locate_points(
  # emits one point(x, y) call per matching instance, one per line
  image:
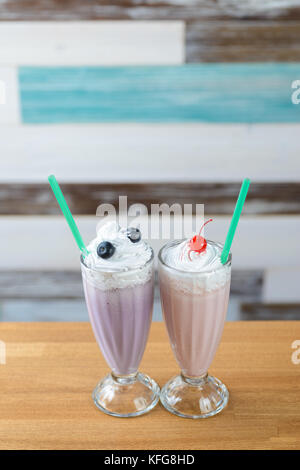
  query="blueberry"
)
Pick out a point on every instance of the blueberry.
point(105, 250)
point(134, 234)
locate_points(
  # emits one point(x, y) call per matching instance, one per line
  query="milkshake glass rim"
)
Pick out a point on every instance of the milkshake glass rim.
point(119, 271)
point(199, 273)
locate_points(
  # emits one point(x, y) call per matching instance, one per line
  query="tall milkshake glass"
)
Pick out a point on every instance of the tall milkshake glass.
point(119, 299)
point(194, 296)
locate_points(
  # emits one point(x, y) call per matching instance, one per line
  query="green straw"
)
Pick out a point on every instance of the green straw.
point(235, 219)
point(67, 213)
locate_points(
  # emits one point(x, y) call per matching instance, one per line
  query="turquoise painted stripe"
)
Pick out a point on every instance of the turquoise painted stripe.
point(216, 93)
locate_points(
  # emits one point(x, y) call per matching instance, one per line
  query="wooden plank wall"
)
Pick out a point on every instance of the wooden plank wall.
point(167, 101)
point(84, 198)
point(188, 152)
point(213, 93)
point(216, 30)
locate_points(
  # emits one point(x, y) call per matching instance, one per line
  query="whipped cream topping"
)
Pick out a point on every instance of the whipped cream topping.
point(127, 255)
point(180, 257)
point(127, 266)
point(198, 273)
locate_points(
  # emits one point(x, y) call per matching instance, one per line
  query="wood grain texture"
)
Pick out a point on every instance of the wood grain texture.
point(146, 9)
point(213, 93)
point(91, 43)
point(219, 198)
point(270, 311)
point(47, 285)
point(217, 30)
point(147, 42)
point(150, 153)
point(70, 310)
point(51, 370)
point(243, 41)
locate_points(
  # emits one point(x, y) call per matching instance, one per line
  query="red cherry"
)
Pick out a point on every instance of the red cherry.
point(198, 243)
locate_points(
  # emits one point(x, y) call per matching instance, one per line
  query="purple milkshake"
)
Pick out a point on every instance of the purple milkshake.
point(121, 320)
point(118, 285)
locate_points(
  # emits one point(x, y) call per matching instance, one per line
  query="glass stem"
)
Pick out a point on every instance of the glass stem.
point(124, 379)
point(195, 381)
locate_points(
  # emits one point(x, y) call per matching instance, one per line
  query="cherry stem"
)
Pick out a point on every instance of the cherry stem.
point(209, 220)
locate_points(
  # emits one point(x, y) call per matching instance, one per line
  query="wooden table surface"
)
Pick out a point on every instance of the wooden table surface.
point(52, 368)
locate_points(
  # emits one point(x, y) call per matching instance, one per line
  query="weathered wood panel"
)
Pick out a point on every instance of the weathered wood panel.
point(259, 9)
point(243, 41)
point(91, 43)
point(75, 309)
point(146, 9)
point(260, 311)
point(224, 30)
point(219, 198)
point(54, 285)
point(40, 285)
point(150, 153)
point(214, 93)
point(58, 296)
point(147, 42)
point(29, 310)
point(105, 10)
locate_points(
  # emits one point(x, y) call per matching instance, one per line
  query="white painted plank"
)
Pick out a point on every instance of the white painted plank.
point(150, 152)
point(46, 243)
point(282, 285)
point(92, 43)
point(2, 92)
point(9, 96)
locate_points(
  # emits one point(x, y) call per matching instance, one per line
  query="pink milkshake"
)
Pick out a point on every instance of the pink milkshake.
point(194, 288)
point(118, 285)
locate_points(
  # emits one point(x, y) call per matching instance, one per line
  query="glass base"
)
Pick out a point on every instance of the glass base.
point(197, 397)
point(126, 396)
